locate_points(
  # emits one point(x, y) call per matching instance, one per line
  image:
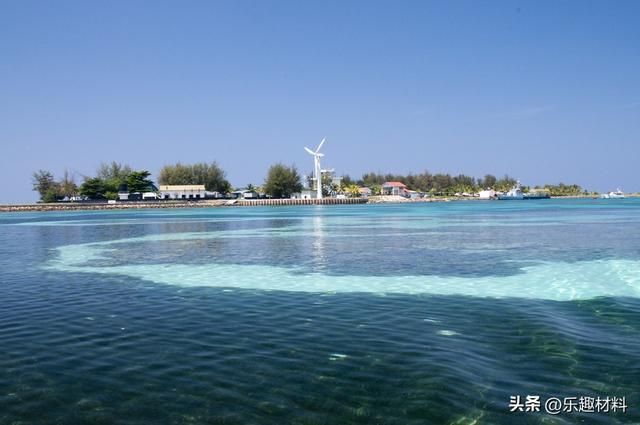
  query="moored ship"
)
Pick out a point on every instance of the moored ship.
point(514, 194)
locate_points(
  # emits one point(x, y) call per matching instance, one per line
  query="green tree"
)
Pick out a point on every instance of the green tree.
point(563, 189)
point(443, 184)
point(462, 183)
point(282, 181)
point(328, 188)
point(352, 190)
point(113, 175)
point(505, 184)
point(51, 195)
point(44, 184)
point(489, 181)
point(423, 182)
point(346, 181)
point(177, 174)
point(114, 171)
point(369, 179)
point(210, 175)
point(138, 181)
point(93, 188)
point(67, 186)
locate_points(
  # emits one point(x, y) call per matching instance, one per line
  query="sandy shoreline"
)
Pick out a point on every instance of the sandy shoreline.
point(40, 207)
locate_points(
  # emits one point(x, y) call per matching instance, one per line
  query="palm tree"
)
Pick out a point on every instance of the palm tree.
point(353, 190)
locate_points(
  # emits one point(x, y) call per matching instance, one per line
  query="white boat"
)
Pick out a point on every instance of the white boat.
point(617, 194)
point(514, 193)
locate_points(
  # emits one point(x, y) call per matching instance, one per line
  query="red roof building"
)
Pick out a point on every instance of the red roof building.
point(394, 188)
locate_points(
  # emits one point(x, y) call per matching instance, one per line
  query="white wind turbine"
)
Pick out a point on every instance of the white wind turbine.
point(317, 171)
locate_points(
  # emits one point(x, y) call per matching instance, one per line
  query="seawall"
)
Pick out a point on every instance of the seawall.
point(323, 201)
point(242, 203)
point(87, 206)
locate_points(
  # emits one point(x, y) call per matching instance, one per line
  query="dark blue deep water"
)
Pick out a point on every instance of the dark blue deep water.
point(364, 314)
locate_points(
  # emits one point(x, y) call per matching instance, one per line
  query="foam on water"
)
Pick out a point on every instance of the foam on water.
point(546, 280)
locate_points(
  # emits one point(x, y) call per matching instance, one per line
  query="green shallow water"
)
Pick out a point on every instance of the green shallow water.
point(432, 313)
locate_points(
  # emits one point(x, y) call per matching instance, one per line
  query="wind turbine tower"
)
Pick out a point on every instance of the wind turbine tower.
point(317, 171)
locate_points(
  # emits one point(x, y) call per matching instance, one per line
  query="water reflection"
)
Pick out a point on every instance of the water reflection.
point(318, 243)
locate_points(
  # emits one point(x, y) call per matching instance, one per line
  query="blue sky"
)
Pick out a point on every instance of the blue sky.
point(543, 91)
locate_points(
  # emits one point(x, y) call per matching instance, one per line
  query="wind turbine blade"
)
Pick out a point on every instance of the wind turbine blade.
point(309, 150)
point(319, 154)
point(320, 145)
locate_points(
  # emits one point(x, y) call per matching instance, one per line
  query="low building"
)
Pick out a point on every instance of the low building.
point(123, 192)
point(148, 194)
point(185, 191)
point(487, 194)
point(244, 194)
point(394, 188)
point(413, 194)
point(364, 191)
point(305, 194)
point(213, 195)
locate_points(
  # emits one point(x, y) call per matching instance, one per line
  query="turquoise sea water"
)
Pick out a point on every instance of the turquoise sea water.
point(389, 314)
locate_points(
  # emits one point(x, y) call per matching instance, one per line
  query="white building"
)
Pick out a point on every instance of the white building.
point(364, 191)
point(487, 194)
point(305, 194)
point(244, 194)
point(185, 191)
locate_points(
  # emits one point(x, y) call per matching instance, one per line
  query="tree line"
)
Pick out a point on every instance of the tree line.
point(435, 184)
point(281, 182)
point(111, 178)
point(107, 182)
point(210, 175)
point(447, 185)
point(50, 189)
